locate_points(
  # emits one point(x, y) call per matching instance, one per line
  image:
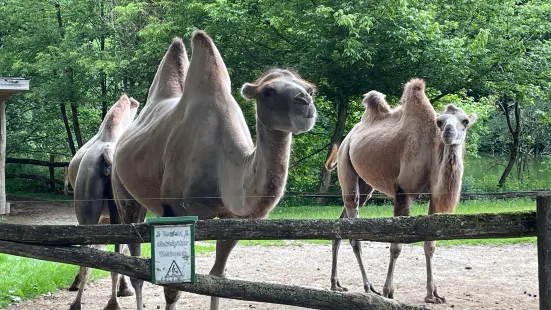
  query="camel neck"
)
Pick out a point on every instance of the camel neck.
point(446, 185)
point(268, 170)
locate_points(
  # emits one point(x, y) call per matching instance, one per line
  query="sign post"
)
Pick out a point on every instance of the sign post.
point(8, 87)
point(172, 249)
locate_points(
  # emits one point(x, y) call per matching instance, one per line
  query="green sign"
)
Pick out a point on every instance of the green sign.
point(172, 249)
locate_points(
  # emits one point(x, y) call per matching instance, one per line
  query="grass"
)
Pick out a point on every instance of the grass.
point(27, 278)
point(24, 278)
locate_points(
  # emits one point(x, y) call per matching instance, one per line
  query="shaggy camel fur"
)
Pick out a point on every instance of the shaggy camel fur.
point(90, 176)
point(190, 151)
point(401, 152)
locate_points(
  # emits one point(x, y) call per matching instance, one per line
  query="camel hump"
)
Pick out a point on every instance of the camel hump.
point(118, 117)
point(414, 92)
point(331, 162)
point(207, 66)
point(375, 102)
point(171, 74)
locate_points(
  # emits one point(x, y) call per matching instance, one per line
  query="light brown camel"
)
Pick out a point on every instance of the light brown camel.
point(90, 177)
point(190, 151)
point(401, 152)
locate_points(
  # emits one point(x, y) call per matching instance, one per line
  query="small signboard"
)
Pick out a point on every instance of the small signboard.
point(172, 249)
point(13, 85)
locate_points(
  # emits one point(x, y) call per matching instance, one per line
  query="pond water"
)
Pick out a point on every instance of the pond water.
point(484, 172)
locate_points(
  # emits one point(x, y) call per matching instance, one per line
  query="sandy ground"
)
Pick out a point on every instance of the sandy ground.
point(470, 277)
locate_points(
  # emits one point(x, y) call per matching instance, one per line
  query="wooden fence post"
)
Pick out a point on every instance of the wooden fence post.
point(66, 180)
point(544, 250)
point(52, 173)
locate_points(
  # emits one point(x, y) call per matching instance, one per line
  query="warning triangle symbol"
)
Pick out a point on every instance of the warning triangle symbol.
point(174, 272)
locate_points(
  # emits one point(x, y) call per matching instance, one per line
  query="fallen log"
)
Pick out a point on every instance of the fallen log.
point(394, 229)
point(207, 285)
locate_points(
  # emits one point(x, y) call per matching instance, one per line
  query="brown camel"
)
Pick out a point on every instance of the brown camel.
point(190, 151)
point(90, 176)
point(401, 152)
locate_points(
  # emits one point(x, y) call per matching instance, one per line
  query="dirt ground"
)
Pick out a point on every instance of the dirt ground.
point(470, 277)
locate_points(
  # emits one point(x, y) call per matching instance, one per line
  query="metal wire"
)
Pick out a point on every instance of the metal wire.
point(288, 195)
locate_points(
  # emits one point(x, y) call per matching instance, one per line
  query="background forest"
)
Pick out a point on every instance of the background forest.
point(490, 57)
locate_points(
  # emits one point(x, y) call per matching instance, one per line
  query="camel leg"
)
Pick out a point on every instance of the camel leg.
point(76, 282)
point(336, 244)
point(171, 297)
point(83, 275)
point(124, 289)
point(364, 193)
point(223, 250)
point(136, 250)
point(88, 212)
point(402, 204)
point(355, 193)
point(430, 248)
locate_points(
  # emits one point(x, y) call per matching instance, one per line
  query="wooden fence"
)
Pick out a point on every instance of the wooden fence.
point(56, 243)
point(50, 180)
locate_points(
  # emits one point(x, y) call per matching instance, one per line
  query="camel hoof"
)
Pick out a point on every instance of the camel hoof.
point(338, 288)
point(126, 292)
point(73, 288)
point(113, 304)
point(388, 293)
point(368, 288)
point(75, 306)
point(435, 300)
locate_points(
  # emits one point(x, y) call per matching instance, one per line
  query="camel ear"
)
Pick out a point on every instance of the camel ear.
point(472, 119)
point(134, 103)
point(248, 91)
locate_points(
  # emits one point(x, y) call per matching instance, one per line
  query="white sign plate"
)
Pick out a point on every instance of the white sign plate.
point(172, 253)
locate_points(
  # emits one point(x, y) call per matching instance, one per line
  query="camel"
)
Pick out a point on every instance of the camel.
point(401, 152)
point(190, 151)
point(90, 176)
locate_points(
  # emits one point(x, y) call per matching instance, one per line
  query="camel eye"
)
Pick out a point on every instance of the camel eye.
point(268, 92)
point(465, 122)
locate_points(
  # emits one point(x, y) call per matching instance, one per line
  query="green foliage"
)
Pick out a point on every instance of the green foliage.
point(476, 55)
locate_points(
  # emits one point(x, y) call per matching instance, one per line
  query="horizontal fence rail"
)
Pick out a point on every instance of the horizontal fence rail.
point(394, 229)
point(206, 284)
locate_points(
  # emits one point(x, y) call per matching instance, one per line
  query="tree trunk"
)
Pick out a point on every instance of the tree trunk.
point(515, 132)
point(67, 128)
point(102, 76)
point(336, 138)
point(52, 173)
point(62, 106)
point(74, 107)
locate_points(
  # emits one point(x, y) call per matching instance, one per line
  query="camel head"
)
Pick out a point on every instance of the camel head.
point(283, 101)
point(453, 123)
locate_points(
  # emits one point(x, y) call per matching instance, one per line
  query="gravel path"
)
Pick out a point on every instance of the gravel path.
point(470, 277)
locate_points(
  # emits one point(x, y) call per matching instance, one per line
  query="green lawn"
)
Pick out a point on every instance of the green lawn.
point(24, 278)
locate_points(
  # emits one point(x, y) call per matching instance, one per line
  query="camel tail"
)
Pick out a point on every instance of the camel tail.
point(331, 162)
